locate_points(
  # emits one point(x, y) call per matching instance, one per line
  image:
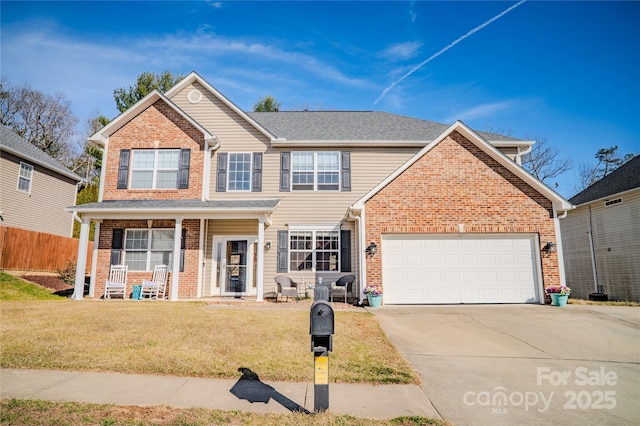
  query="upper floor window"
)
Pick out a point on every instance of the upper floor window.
point(239, 171)
point(154, 168)
point(315, 171)
point(24, 177)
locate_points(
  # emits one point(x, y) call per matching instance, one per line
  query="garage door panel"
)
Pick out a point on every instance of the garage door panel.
point(459, 269)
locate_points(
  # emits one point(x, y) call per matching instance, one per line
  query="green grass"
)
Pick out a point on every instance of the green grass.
point(36, 413)
point(12, 288)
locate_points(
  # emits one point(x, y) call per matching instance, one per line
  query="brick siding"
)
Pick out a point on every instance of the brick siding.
point(188, 280)
point(457, 183)
point(157, 127)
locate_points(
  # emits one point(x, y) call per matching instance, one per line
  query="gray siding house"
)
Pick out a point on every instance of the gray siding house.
point(35, 189)
point(601, 237)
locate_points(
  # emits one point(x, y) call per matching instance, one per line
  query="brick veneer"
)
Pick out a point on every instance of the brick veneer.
point(157, 127)
point(457, 183)
point(188, 279)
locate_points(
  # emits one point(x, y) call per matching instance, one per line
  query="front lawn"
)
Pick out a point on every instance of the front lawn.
point(191, 339)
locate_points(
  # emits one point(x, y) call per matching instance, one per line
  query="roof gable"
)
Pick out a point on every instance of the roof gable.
point(194, 77)
point(102, 135)
point(558, 202)
point(11, 142)
point(624, 178)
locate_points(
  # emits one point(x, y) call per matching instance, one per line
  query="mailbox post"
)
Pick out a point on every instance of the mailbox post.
point(321, 326)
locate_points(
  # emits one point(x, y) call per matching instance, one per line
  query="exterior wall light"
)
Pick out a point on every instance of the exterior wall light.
point(372, 249)
point(267, 245)
point(550, 248)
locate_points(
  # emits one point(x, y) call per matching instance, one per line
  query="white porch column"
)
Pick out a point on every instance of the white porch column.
point(176, 259)
point(81, 264)
point(260, 262)
point(94, 259)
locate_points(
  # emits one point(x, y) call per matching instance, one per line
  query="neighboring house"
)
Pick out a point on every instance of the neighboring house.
point(601, 237)
point(232, 199)
point(35, 189)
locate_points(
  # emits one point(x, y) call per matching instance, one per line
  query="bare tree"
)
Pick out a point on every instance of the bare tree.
point(544, 162)
point(44, 120)
point(608, 161)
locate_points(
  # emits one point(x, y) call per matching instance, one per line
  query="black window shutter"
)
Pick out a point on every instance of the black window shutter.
point(116, 246)
point(345, 250)
point(345, 169)
point(183, 246)
point(183, 172)
point(256, 175)
point(123, 169)
point(221, 185)
point(283, 252)
point(285, 172)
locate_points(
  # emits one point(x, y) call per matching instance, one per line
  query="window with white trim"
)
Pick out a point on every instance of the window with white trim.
point(315, 171)
point(239, 172)
point(155, 168)
point(314, 250)
point(25, 176)
point(146, 248)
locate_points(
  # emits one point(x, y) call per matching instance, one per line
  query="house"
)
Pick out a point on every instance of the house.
point(35, 189)
point(230, 199)
point(601, 237)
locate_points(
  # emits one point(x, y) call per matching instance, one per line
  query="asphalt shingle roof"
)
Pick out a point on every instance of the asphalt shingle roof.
point(353, 126)
point(12, 142)
point(622, 179)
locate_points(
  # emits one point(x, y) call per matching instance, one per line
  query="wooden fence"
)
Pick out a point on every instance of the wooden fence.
point(23, 250)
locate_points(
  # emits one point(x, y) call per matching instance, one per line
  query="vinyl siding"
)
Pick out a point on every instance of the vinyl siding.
point(616, 241)
point(43, 210)
point(234, 133)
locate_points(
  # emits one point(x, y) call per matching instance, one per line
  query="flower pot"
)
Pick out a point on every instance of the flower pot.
point(374, 300)
point(559, 299)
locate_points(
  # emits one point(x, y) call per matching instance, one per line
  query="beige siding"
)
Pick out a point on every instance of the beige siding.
point(616, 241)
point(234, 133)
point(43, 209)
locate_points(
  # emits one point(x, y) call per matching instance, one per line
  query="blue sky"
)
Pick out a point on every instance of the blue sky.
point(565, 71)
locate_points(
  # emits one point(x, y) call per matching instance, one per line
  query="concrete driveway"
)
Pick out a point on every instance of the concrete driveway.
point(523, 364)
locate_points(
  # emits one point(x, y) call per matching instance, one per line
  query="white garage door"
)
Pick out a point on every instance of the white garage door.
point(459, 269)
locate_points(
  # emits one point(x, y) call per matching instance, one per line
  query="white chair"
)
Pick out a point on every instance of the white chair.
point(158, 284)
point(117, 282)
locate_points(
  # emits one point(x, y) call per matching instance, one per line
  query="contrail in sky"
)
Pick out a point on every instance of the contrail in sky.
point(435, 55)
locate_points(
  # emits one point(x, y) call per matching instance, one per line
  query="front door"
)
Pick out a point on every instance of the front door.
point(235, 265)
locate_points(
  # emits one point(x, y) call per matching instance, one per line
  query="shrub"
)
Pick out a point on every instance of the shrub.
point(68, 273)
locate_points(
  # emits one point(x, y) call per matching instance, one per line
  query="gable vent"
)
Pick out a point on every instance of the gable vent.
point(194, 96)
point(612, 202)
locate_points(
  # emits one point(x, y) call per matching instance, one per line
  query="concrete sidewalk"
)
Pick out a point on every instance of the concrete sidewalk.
point(367, 401)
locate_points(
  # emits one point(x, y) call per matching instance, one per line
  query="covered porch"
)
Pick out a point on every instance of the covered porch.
point(188, 221)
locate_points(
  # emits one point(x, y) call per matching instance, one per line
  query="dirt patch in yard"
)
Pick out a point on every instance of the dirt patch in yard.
point(53, 282)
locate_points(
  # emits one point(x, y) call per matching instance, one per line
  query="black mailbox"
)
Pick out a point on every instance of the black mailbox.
point(321, 323)
point(321, 330)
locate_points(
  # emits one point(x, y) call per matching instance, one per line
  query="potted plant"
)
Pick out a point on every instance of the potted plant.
point(374, 295)
point(559, 294)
